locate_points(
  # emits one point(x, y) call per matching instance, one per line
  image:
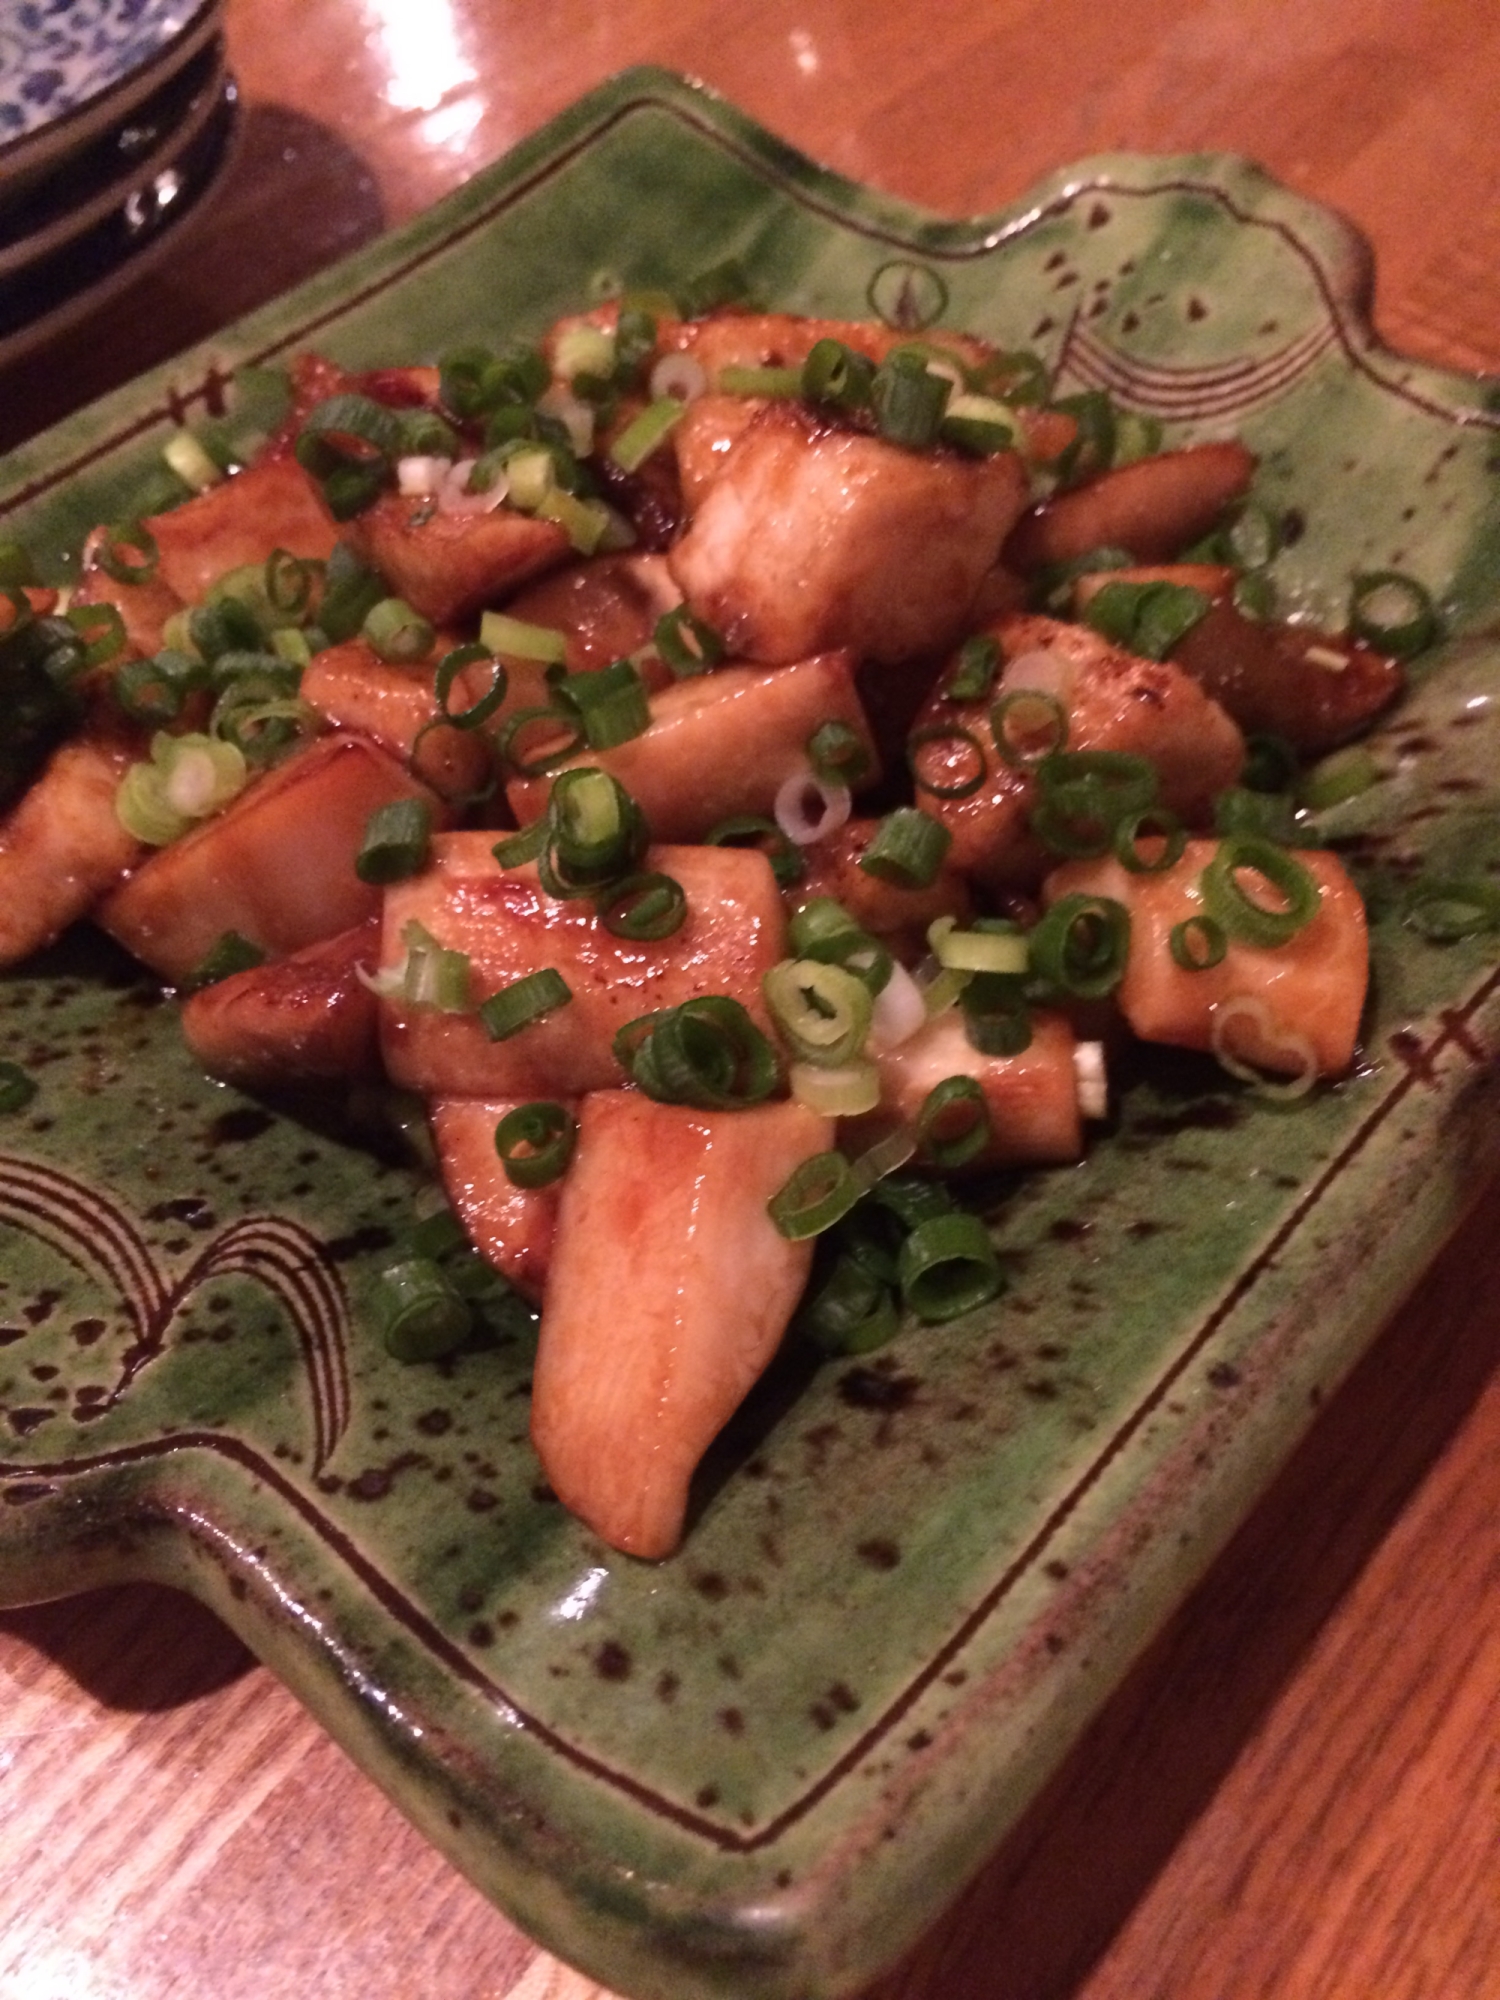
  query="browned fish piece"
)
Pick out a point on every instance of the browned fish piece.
point(816, 537)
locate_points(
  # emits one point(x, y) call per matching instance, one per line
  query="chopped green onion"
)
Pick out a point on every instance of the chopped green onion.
point(102, 630)
point(644, 908)
point(950, 1141)
point(501, 633)
point(585, 522)
point(230, 953)
point(978, 425)
point(1016, 377)
point(535, 1143)
point(192, 464)
point(584, 350)
point(947, 1266)
point(788, 863)
point(644, 433)
point(946, 761)
point(396, 841)
point(1147, 619)
point(524, 846)
point(1254, 596)
point(839, 754)
point(1081, 945)
point(559, 736)
point(420, 1313)
point(735, 381)
point(706, 1052)
point(823, 929)
point(846, 1092)
point(1198, 943)
point(348, 443)
point(17, 1087)
point(909, 402)
point(1392, 612)
point(1150, 842)
point(433, 975)
point(1092, 450)
point(612, 703)
point(396, 634)
point(850, 1312)
point(1028, 725)
point(1137, 436)
point(129, 555)
point(837, 376)
point(456, 662)
point(822, 1011)
point(424, 434)
point(1453, 907)
point(1082, 796)
point(1246, 917)
point(997, 1020)
point(524, 1002)
point(186, 778)
point(816, 1195)
point(982, 949)
point(288, 582)
point(350, 590)
point(1342, 775)
point(974, 673)
point(686, 644)
point(596, 831)
point(908, 849)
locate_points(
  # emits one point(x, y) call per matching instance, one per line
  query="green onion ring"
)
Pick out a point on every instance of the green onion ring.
point(1081, 945)
point(967, 745)
point(535, 1143)
point(1241, 915)
point(644, 908)
point(947, 1266)
point(523, 1002)
point(816, 1195)
point(1198, 943)
point(1156, 823)
point(975, 1131)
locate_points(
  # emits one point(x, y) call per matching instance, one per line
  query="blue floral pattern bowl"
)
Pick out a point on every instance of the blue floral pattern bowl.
point(68, 68)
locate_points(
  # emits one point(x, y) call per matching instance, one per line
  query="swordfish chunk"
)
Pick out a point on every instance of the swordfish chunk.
point(814, 537)
point(668, 1292)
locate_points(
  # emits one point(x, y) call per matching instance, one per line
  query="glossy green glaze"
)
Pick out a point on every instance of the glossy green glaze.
point(760, 1768)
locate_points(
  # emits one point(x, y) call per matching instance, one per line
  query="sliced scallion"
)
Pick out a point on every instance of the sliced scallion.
point(908, 849)
point(1247, 916)
point(948, 1266)
point(816, 1195)
point(535, 1143)
point(705, 1052)
point(1392, 612)
point(396, 842)
point(524, 1002)
point(1081, 945)
point(954, 1125)
point(421, 1314)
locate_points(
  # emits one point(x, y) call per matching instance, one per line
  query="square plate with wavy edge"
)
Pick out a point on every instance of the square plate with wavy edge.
point(760, 1768)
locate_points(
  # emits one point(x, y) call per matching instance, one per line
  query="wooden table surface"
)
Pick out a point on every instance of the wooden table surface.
point(1298, 1791)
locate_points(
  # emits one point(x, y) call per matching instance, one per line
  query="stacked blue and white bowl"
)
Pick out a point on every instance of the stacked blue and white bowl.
point(116, 119)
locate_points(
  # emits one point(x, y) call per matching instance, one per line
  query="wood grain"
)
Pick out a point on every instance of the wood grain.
point(1297, 1793)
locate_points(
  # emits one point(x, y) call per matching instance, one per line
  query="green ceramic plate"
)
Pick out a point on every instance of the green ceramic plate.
point(760, 1768)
